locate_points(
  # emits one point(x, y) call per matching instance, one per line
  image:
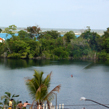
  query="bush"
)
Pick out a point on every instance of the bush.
point(14, 55)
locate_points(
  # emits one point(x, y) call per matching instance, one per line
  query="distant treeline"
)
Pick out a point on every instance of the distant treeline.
point(51, 45)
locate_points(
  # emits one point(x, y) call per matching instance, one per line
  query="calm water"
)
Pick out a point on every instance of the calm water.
point(90, 80)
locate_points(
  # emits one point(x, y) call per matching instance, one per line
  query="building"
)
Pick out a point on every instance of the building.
point(1, 40)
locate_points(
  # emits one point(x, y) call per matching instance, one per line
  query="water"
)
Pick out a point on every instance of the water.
point(90, 80)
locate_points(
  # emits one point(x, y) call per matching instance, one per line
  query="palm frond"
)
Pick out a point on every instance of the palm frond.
point(47, 80)
point(1, 103)
point(8, 93)
point(51, 93)
point(41, 92)
point(15, 95)
point(6, 102)
point(5, 97)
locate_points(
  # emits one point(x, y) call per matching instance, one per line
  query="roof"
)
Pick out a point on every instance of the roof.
point(2, 39)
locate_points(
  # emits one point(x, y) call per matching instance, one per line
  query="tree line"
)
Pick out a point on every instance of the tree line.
point(32, 43)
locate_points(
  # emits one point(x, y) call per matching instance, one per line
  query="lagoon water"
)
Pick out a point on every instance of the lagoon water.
point(90, 80)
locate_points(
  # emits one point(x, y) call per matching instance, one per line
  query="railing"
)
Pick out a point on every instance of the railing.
point(62, 106)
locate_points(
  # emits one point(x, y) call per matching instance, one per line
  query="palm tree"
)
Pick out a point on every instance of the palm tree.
point(7, 97)
point(38, 88)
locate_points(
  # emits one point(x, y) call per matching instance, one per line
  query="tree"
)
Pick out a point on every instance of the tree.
point(78, 47)
point(105, 39)
point(20, 47)
point(38, 88)
point(10, 30)
point(92, 38)
point(23, 34)
point(33, 31)
point(7, 97)
point(106, 33)
point(69, 35)
point(0, 30)
point(49, 35)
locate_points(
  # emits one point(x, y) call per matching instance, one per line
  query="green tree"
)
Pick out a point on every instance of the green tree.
point(78, 47)
point(33, 31)
point(106, 33)
point(0, 30)
point(10, 30)
point(61, 52)
point(38, 88)
point(23, 34)
point(105, 39)
point(93, 39)
point(7, 97)
point(69, 35)
point(20, 47)
point(86, 34)
point(49, 35)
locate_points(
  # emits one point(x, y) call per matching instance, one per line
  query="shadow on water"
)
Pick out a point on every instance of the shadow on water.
point(97, 63)
point(24, 63)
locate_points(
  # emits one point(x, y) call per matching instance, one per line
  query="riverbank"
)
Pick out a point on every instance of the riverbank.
point(84, 58)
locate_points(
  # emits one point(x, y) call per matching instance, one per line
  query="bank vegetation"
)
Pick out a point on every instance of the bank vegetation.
point(34, 44)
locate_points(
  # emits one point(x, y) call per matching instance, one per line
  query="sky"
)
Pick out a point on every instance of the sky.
point(66, 14)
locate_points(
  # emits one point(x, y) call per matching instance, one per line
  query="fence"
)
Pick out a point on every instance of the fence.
point(62, 106)
point(77, 106)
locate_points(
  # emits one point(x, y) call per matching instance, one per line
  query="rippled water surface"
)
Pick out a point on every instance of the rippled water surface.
point(90, 80)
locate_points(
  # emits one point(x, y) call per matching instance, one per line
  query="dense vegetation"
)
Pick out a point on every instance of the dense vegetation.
point(34, 44)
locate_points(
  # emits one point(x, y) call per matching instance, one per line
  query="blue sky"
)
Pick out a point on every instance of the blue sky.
point(69, 14)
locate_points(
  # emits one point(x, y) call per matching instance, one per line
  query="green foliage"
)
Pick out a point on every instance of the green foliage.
point(2, 48)
point(49, 35)
point(14, 55)
point(23, 34)
point(33, 31)
point(30, 56)
point(106, 34)
point(46, 55)
point(93, 39)
point(7, 97)
point(10, 30)
point(78, 48)
point(38, 87)
point(61, 52)
point(69, 35)
point(105, 43)
point(0, 30)
point(51, 45)
point(102, 55)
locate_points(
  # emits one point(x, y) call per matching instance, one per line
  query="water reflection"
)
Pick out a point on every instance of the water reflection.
point(24, 63)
